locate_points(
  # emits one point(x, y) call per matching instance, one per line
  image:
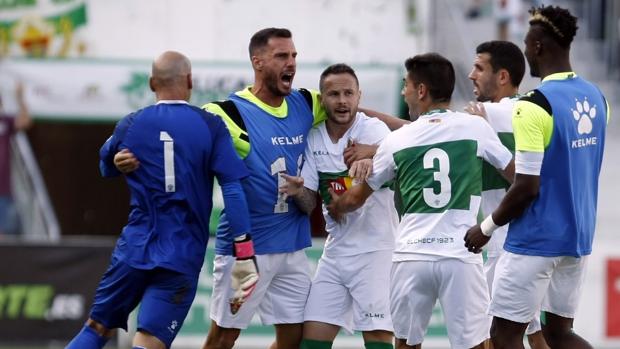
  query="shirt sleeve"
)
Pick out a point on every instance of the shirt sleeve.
point(112, 146)
point(528, 163)
point(493, 151)
point(236, 207)
point(532, 123)
point(383, 166)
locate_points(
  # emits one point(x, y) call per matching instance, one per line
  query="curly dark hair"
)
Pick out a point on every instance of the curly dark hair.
point(559, 23)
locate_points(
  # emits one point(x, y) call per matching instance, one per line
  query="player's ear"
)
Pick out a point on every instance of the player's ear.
point(503, 77)
point(190, 82)
point(538, 46)
point(152, 84)
point(257, 63)
point(422, 91)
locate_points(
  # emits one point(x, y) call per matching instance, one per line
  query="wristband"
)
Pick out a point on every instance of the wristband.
point(244, 249)
point(488, 226)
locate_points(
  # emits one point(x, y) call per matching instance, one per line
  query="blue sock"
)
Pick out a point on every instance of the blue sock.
point(88, 338)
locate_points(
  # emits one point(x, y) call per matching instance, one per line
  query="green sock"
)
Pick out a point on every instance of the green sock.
point(378, 345)
point(312, 344)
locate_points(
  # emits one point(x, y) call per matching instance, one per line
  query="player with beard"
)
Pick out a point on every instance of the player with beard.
point(497, 72)
point(436, 164)
point(269, 122)
point(348, 290)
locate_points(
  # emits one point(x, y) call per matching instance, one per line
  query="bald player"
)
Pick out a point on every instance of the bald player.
point(159, 254)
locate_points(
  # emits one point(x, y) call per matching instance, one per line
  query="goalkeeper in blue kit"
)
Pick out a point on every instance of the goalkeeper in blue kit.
point(158, 257)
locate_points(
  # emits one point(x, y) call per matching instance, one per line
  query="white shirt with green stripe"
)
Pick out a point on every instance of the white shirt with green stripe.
point(494, 186)
point(372, 226)
point(436, 163)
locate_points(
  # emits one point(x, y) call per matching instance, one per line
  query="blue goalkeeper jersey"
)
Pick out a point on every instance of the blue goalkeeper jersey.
point(180, 148)
point(271, 141)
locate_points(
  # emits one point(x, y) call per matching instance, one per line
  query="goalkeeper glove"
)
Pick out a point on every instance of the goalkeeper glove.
point(244, 274)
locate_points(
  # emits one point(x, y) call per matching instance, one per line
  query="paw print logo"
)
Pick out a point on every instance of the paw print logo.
point(583, 114)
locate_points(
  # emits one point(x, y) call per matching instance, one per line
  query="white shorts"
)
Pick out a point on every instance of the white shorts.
point(462, 293)
point(489, 271)
point(352, 292)
point(522, 283)
point(280, 294)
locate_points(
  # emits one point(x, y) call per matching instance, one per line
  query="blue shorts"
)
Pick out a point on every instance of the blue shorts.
point(165, 297)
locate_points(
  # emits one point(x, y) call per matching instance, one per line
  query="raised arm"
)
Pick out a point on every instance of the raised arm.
point(392, 122)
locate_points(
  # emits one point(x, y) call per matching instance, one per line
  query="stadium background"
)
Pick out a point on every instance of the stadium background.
point(85, 64)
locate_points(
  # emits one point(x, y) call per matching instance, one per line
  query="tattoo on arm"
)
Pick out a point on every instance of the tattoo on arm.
point(306, 200)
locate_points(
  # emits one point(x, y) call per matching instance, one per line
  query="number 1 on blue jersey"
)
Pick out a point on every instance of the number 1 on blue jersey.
point(168, 161)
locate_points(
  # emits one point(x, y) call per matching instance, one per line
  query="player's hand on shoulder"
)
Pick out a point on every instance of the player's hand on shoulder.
point(125, 161)
point(244, 274)
point(361, 169)
point(292, 186)
point(476, 108)
point(475, 240)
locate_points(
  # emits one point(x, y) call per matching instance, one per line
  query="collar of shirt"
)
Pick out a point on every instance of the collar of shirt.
point(172, 101)
point(560, 76)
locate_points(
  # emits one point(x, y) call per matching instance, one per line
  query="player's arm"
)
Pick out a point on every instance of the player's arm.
point(304, 198)
point(392, 122)
point(351, 200)
point(358, 151)
point(532, 125)
point(383, 171)
point(244, 273)
point(229, 170)
point(111, 147)
point(509, 172)
point(303, 188)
